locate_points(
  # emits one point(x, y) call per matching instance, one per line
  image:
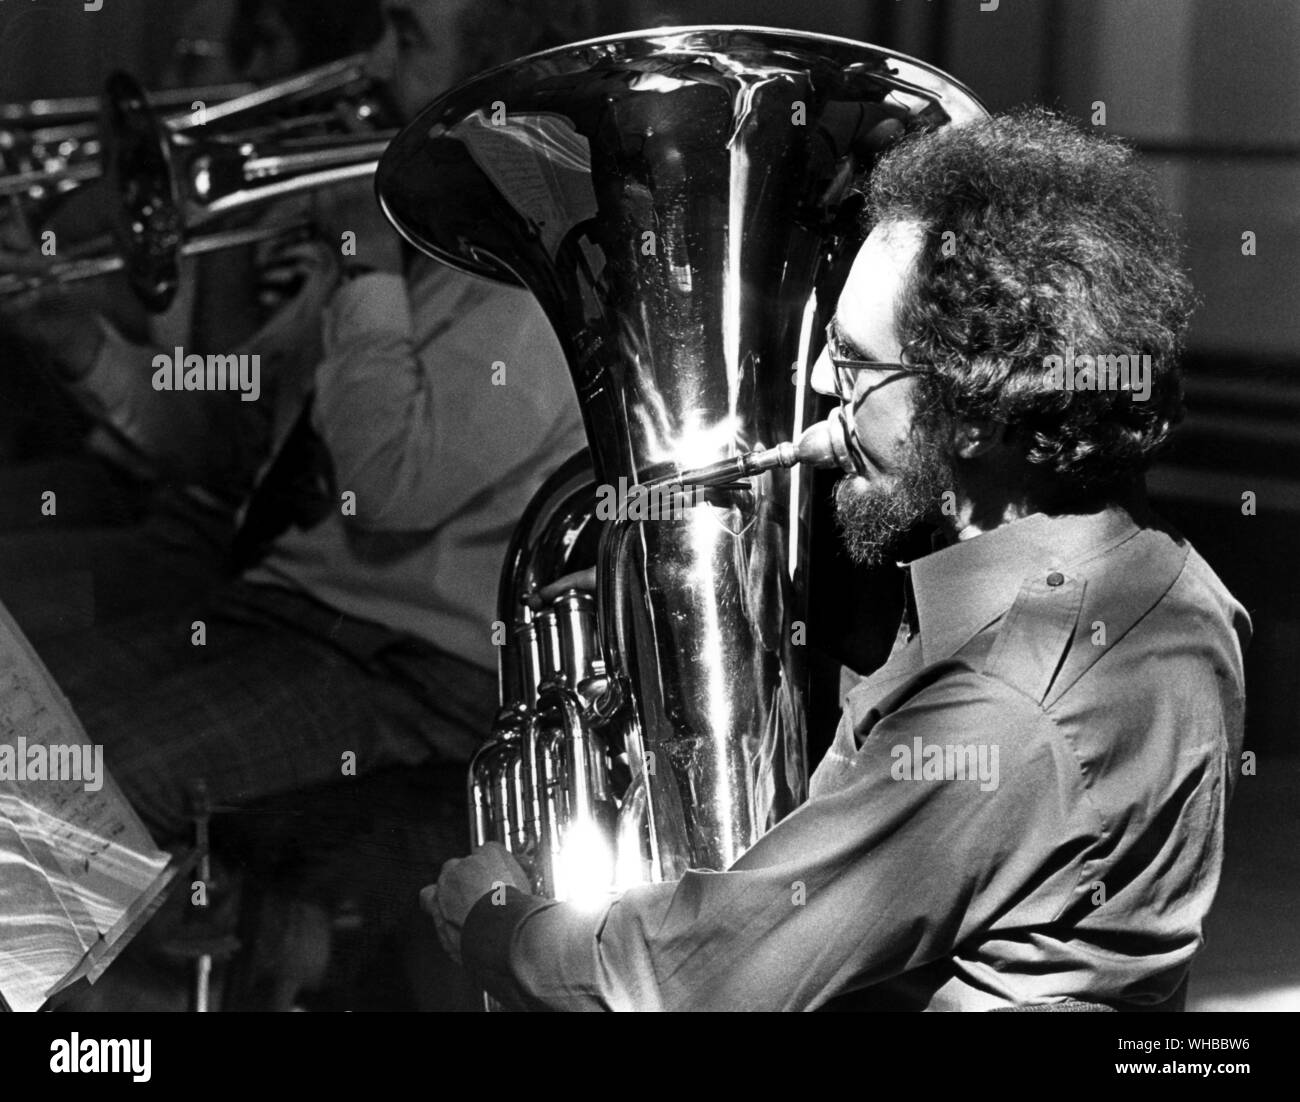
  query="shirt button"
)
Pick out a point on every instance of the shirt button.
point(1055, 578)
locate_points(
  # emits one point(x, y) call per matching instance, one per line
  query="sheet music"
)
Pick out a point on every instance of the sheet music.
point(39, 943)
point(540, 164)
point(73, 859)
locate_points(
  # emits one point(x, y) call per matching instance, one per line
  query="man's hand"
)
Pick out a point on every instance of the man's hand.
point(350, 223)
point(584, 580)
point(463, 883)
point(288, 270)
point(295, 282)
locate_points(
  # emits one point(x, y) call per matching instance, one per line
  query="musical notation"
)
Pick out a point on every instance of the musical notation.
point(75, 859)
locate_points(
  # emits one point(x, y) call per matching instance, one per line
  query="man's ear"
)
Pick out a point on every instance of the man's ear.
point(971, 439)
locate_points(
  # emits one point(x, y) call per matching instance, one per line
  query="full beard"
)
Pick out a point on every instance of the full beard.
point(873, 521)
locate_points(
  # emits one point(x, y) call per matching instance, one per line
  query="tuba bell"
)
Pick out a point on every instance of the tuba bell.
point(681, 202)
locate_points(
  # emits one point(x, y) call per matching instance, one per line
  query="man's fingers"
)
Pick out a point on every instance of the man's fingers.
point(448, 934)
point(301, 255)
point(584, 580)
point(281, 275)
point(448, 938)
point(504, 867)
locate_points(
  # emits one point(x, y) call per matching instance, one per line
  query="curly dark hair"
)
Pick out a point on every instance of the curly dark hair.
point(1040, 238)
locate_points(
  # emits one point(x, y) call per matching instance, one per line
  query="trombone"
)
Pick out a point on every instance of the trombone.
point(49, 147)
point(176, 175)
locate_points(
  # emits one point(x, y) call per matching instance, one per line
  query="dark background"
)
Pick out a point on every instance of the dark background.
point(1207, 89)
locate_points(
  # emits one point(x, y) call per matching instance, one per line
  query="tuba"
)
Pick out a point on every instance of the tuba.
point(681, 202)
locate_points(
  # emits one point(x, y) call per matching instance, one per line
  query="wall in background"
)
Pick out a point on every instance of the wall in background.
point(57, 48)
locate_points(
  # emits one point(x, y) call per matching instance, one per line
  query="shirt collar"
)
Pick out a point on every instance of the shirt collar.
point(961, 589)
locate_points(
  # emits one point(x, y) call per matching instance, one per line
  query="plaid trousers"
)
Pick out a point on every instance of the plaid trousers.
point(279, 693)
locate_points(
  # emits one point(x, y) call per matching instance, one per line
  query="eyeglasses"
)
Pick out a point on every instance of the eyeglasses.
point(845, 365)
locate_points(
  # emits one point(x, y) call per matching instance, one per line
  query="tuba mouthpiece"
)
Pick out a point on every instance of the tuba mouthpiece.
point(813, 447)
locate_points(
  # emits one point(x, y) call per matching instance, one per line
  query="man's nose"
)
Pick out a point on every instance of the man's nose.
point(823, 376)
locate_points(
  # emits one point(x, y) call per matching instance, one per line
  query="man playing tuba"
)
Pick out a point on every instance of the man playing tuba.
point(1025, 804)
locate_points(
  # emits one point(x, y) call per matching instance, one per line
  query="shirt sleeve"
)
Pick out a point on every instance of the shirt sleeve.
point(886, 870)
point(419, 432)
point(164, 427)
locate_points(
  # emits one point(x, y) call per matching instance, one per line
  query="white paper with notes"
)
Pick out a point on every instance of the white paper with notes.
point(77, 865)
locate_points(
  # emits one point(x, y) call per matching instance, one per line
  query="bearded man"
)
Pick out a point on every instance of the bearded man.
point(1024, 806)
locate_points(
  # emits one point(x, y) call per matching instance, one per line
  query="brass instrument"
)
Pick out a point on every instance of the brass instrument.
point(681, 202)
point(50, 147)
point(177, 175)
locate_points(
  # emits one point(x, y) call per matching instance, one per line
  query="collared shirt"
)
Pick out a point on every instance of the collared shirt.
point(1024, 804)
point(444, 402)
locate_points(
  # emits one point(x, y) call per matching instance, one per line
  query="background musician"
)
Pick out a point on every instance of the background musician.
point(148, 501)
point(362, 638)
